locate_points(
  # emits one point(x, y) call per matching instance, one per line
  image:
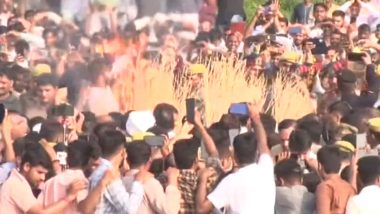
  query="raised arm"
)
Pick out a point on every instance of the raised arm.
point(88, 205)
point(251, 26)
point(261, 136)
point(207, 140)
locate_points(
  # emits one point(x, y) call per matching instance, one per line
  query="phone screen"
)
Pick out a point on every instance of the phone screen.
point(2, 112)
point(355, 57)
point(155, 141)
point(239, 108)
point(190, 109)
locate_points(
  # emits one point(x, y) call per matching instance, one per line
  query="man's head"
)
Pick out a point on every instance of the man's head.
point(288, 173)
point(331, 55)
point(35, 164)
point(377, 33)
point(335, 39)
point(185, 153)
point(300, 143)
point(284, 24)
point(320, 12)
point(364, 31)
point(313, 128)
point(338, 110)
point(20, 126)
point(52, 131)
point(233, 42)
point(347, 81)
point(22, 48)
point(338, 18)
point(138, 154)
point(166, 116)
point(6, 82)
point(22, 78)
point(99, 72)
point(369, 170)
point(79, 154)
point(47, 88)
point(329, 158)
point(355, 9)
point(50, 36)
point(245, 148)
point(285, 128)
point(112, 144)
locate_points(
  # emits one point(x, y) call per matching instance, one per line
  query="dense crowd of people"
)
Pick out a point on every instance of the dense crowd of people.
point(71, 141)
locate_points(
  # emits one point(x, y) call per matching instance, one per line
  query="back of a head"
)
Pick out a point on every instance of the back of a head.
point(219, 135)
point(185, 153)
point(313, 128)
point(341, 107)
point(100, 128)
point(119, 119)
point(110, 142)
point(165, 116)
point(51, 130)
point(357, 119)
point(364, 28)
point(139, 153)
point(289, 170)
point(330, 159)
point(36, 155)
point(287, 123)
point(224, 150)
point(245, 148)
point(79, 154)
point(299, 141)
point(369, 170)
point(47, 79)
point(339, 13)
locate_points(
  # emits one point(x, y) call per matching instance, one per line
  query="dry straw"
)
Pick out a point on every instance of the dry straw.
point(225, 83)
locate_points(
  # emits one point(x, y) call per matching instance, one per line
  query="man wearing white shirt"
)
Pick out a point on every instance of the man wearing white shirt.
point(366, 201)
point(251, 189)
point(367, 13)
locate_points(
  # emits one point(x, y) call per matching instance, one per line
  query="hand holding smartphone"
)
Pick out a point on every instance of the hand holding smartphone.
point(191, 105)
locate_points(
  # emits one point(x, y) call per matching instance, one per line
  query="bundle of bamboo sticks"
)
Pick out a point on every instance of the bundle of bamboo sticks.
point(224, 83)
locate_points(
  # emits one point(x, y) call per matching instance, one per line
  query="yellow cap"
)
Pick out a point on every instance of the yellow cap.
point(197, 69)
point(345, 146)
point(41, 69)
point(374, 124)
point(290, 56)
point(141, 135)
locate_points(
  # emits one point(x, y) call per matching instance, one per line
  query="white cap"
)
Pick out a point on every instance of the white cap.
point(139, 121)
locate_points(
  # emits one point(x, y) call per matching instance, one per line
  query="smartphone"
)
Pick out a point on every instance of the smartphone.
point(295, 30)
point(355, 57)
point(155, 141)
point(63, 110)
point(190, 109)
point(2, 112)
point(239, 109)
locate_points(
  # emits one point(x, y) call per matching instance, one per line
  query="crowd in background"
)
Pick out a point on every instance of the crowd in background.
point(71, 143)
